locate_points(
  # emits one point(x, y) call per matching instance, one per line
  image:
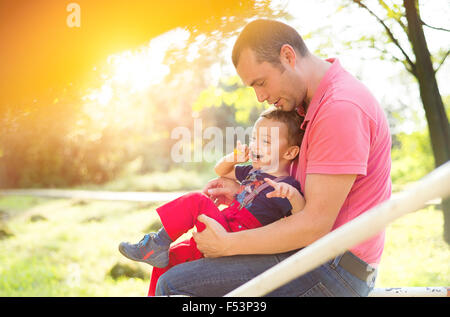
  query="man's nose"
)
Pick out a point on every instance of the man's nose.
point(261, 95)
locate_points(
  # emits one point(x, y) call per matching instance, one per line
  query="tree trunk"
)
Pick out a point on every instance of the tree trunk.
point(438, 124)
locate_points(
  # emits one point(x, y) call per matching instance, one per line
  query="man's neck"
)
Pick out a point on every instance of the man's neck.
point(317, 69)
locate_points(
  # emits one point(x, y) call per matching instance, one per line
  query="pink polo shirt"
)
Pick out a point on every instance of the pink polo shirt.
point(346, 132)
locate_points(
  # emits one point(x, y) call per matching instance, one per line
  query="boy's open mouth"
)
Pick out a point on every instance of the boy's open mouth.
point(256, 156)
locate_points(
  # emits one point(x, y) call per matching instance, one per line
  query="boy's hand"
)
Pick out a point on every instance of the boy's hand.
point(226, 166)
point(285, 190)
point(241, 153)
point(281, 189)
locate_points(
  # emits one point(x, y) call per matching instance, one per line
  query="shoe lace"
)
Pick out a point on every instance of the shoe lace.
point(144, 240)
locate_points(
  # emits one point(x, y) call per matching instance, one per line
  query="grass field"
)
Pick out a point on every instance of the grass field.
point(63, 247)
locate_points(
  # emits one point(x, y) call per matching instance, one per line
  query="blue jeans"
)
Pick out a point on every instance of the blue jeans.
point(218, 276)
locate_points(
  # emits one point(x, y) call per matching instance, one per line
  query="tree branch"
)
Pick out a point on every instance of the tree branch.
point(388, 31)
point(433, 27)
point(395, 59)
point(442, 62)
point(399, 21)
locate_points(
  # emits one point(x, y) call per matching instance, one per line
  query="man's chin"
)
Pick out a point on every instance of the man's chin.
point(286, 107)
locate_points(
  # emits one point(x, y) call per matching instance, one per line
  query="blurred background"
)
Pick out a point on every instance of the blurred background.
point(90, 94)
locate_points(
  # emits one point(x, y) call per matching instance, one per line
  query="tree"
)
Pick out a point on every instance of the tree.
point(418, 61)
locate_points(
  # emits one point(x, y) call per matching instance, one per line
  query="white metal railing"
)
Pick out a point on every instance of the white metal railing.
point(411, 292)
point(432, 186)
point(94, 195)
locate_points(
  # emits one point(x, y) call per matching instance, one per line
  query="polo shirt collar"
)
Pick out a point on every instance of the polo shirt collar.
point(320, 92)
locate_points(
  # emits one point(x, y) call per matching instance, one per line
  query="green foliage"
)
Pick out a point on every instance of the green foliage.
point(412, 157)
point(446, 101)
point(50, 144)
point(57, 144)
point(231, 93)
point(393, 10)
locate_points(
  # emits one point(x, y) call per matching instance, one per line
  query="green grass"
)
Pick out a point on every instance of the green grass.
point(415, 252)
point(66, 255)
point(71, 252)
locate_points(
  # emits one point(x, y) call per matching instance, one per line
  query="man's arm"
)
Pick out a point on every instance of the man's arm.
point(324, 194)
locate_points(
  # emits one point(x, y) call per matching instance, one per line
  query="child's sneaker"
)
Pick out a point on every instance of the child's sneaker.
point(146, 250)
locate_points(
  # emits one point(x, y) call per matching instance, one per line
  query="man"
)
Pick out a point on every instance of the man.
point(343, 168)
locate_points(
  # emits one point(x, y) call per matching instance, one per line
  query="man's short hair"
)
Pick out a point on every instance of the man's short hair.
point(292, 120)
point(265, 38)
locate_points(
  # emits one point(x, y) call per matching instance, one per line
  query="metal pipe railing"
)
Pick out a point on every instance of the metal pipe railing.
point(411, 292)
point(435, 184)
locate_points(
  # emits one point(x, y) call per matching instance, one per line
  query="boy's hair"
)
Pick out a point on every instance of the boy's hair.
point(265, 38)
point(292, 120)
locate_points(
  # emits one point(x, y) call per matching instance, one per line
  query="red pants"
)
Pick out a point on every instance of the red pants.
point(180, 215)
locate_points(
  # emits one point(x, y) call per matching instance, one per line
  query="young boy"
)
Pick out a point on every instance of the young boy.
point(267, 194)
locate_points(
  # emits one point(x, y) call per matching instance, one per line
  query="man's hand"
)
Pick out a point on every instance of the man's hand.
point(221, 190)
point(212, 241)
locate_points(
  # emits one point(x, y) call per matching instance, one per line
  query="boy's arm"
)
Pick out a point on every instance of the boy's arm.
point(296, 199)
point(284, 190)
point(225, 167)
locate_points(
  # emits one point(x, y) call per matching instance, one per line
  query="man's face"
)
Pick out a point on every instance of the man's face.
point(284, 89)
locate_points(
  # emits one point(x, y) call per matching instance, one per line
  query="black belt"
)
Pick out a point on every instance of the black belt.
point(355, 266)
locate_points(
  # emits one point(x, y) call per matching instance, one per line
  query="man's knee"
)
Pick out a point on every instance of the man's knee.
point(171, 282)
point(162, 288)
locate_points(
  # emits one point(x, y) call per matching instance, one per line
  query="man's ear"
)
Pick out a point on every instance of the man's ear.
point(291, 152)
point(288, 55)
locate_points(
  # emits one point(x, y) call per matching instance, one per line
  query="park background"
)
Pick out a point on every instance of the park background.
point(93, 108)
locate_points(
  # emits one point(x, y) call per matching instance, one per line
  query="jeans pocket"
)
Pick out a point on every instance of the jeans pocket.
point(353, 285)
point(318, 290)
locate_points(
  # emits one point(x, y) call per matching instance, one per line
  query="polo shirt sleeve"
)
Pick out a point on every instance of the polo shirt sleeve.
point(339, 140)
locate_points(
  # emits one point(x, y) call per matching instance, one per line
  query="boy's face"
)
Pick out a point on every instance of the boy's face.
point(269, 144)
